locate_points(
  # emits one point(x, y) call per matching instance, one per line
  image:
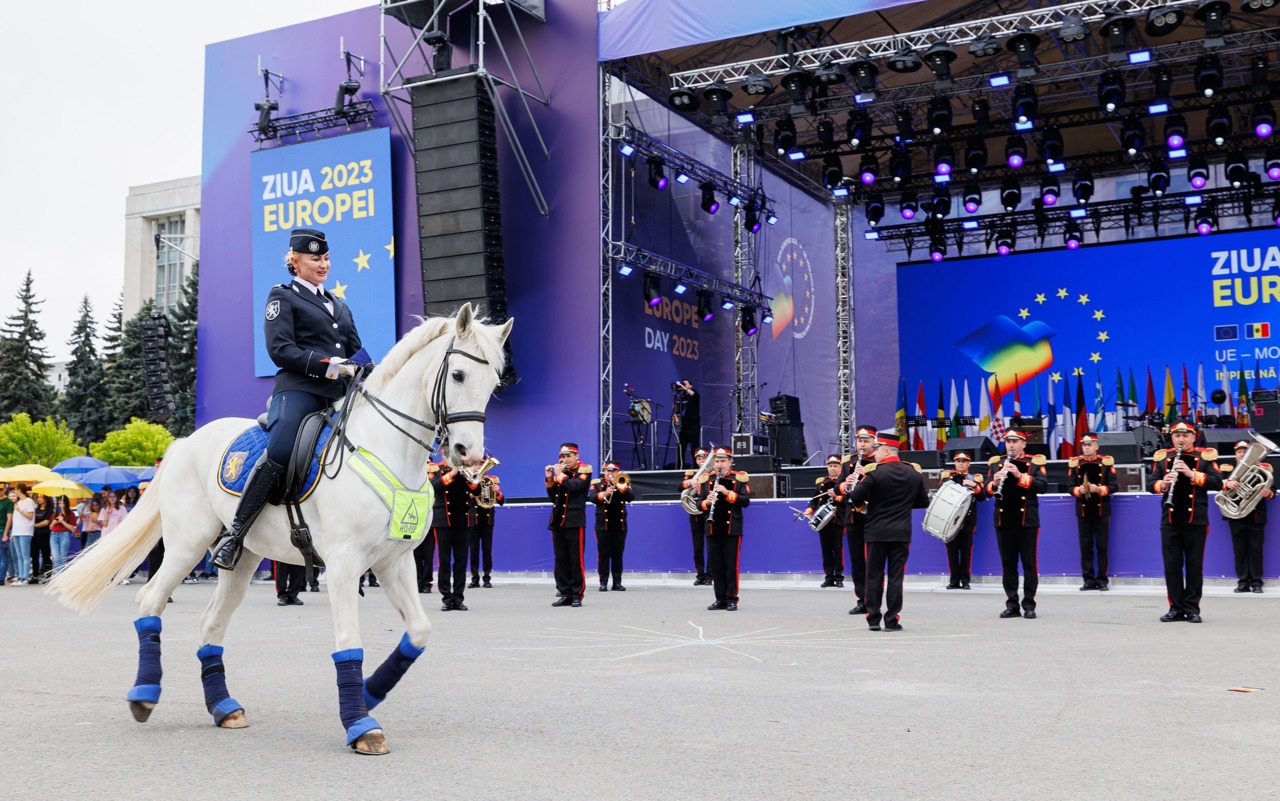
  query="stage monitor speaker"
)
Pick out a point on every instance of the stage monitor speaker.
point(1123, 446)
point(786, 408)
point(1269, 420)
point(928, 460)
point(1038, 449)
point(753, 465)
point(1223, 440)
point(980, 449)
point(790, 442)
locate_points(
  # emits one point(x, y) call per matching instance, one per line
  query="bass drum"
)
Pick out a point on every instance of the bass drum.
point(640, 411)
point(946, 511)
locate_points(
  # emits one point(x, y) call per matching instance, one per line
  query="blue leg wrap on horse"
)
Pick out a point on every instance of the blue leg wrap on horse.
point(146, 687)
point(384, 679)
point(213, 676)
point(351, 706)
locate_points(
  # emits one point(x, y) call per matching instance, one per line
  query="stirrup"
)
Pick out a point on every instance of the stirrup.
point(227, 551)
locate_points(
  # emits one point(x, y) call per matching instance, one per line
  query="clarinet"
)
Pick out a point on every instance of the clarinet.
point(1168, 491)
point(1000, 489)
point(711, 507)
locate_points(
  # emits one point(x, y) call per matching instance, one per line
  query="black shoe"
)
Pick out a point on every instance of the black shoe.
point(604, 586)
point(1104, 588)
point(1241, 588)
point(447, 606)
point(488, 585)
point(1255, 589)
point(563, 600)
point(953, 586)
point(839, 582)
point(717, 605)
point(1194, 617)
point(474, 584)
point(315, 587)
point(873, 626)
point(575, 602)
point(373, 581)
point(428, 590)
point(459, 606)
point(1011, 613)
point(859, 609)
point(295, 602)
point(1171, 616)
point(1030, 614)
point(732, 606)
point(828, 582)
point(1088, 585)
point(282, 602)
point(620, 588)
point(892, 625)
point(965, 586)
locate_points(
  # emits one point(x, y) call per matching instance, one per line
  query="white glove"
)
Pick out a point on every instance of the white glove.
point(340, 368)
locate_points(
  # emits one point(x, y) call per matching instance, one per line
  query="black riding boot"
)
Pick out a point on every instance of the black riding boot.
point(226, 552)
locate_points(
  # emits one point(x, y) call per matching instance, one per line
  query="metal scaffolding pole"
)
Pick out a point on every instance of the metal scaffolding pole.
point(746, 405)
point(611, 129)
point(844, 329)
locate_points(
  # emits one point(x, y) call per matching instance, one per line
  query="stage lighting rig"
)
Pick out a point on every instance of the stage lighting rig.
point(1206, 220)
point(1217, 124)
point(652, 289)
point(682, 99)
point(826, 130)
point(1072, 235)
point(784, 136)
point(757, 85)
point(1082, 185)
point(874, 209)
point(943, 156)
point(1133, 137)
point(937, 247)
point(940, 206)
point(832, 171)
point(717, 96)
point(1208, 74)
point(709, 203)
point(1256, 6)
point(1051, 145)
point(868, 169)
point(1025, 102)
point(939, 115)
point(975, 154)
point(858, 128)
point(657, 173)
point(985, 46)
point(1005, 240)
point(1115, 29)
point(1073, 28)
point(905, 126)
point(981, 111)
point(706, 311)
point(908, 205)
point(1111, 91)
point(1175, 131)
point(939, 58)
point(1198, 172)
point(1023, 46)
point(1163, 21)
point(751, 216)
point(797, 82)
point(747, 321)
point(1158, 176)
point(1237, 168)
point(1015, 151)
point(1260, 73)
point(1161, 86)
point(900, 164)
point(864, 73)
point(346, 90)
point(1212, 13)
point(1010, 193)
point(827, 74)
point(905, 61)
point(972, 197)
point(1263, 119)
point(1050, 189)
point(1271, 163)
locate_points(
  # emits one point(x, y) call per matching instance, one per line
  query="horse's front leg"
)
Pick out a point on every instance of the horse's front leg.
point(399, 582)
point(226, 711)
point(364, 734)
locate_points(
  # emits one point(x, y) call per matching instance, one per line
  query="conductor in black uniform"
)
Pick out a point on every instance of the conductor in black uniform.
point(960, 547)
point(1184, 475)
point(890, 488)
point(310, 335)
point(453, 538)
point(567, 482)
point(1014, 483)
point(1092, 478)
point(611, 493)
point(1248, 532)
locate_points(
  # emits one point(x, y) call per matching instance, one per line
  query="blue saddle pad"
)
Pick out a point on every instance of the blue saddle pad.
point(245, 450)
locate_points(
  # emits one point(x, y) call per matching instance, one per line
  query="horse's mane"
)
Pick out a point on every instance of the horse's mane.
point(423, 334)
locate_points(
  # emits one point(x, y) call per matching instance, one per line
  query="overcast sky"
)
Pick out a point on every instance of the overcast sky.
point(98, 97)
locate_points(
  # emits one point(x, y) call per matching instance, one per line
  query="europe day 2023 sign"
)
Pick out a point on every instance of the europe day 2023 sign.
point(1049, 315)
point(341, 186)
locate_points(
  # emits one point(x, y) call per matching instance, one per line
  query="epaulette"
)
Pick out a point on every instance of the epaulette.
point(1039, 460)
point(995, 460)
point(1073, 462)
point(432, 469)
point(1227, 468)
point(848, 457)
point(1159, 455)
point(820, 481)
point(584, 468)
point(1108, 460)
point(595, 481)
point(946, 474)
point(868, 468)
point(704, 478)
point(1208, 454)
point(688, 474)
point(916, 466)
point(741, 476)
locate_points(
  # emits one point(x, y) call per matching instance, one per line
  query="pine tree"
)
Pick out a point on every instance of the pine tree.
point(81, 403)
point(24, 362)
point(182, 356)
point(124, 388)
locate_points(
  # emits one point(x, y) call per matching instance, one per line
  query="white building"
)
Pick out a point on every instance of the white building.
point(162, 239)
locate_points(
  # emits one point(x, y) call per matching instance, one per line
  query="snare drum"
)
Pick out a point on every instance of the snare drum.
point(823, 515)
point(640, 411)
point(946, 511)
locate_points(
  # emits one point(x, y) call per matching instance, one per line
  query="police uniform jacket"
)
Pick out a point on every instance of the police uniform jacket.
point(841, 500)
point(686, 484)
point(1259, 514)
point(568, 494)
point(1101, 473)
point(726, 517)
point(1017, 504)
point(483, 518)
point(300, 332)
point(455, 493)
point(611, 515)
point(853, 517)
point(979, 494)
point(891, 488)
point(1190, 498)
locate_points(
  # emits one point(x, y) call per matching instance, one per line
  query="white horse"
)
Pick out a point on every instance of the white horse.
point(437, 380)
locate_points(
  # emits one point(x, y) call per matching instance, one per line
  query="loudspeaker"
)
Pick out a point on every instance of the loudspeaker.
point(786, 408)
point(1269, 420)
point(980, 449)
point(750, 445)
point(790, 442)
point(768, 485)
point(928, 460)
point(754, 465)
point(1123, 446)
point(1224, 439)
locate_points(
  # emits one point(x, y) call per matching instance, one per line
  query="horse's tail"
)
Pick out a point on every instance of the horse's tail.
point(84, 583)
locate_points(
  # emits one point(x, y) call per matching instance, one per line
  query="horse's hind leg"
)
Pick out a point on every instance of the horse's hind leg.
point(232, 584)
point(400, 583)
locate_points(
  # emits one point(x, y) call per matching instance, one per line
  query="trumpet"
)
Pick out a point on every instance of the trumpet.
point(487, 497)
point(622, 482)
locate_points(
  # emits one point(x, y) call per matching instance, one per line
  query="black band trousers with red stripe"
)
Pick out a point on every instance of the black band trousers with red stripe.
point(567, 544)
point(1019, 543)
point(722, 562)
point(879, 554)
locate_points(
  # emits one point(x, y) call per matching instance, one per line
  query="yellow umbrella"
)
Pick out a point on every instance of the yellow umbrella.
point(62, 486)
point(27, 474)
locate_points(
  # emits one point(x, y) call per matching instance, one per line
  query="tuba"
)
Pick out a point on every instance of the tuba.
point(1241, 501)
point(487, 498)
point(689, 495)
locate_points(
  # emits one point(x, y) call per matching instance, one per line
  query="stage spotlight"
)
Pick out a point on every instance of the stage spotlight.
point(939, 58)
point(874, 209)
point(1163, 21)
point(904, 61)
point(985, 46)
point(908, 205)
point(770, 217)
point(717, 96)
point(706, 311)
point(1082, 185)
point(1025, 102)
point(864, 73)
point(941, 204)
point(1205, 221)
point(1051, 145)
point(679, 287)
point(858, 129)
point(1133, 137)
point(625, 269)
point(1264, 119)
point(972, 197)
point(652, 288)
point(266, 128)
point(726, 303)
point(1073, 28)
point(1198, 172)
point(1271, 163)
point(937, 247)
point(1015, 151)
point(975, 154)
point(757, 85)
point(1050, 189)
point(1175, 131)
point(1005, 241)
point(784, 136)
point(826, 130)
point(709, 203)
point(906, 128)
point(747, 321)
point(1115, 28)
point(1260, 72)
point(1111, 91)
point(827, 75)
point(981, 111)
point(346, 89)
point(1158, 176)
point(1010, 193)
point(657, 173)
point(1162, 84)
point(1217, 124)
point(832, 171)
point(1208, 74)
point(796, 82)
point(942, 158)
point(1023, 45)
point(682, 100)
point(1237, 168)
point(1072, 235)
point(627, 149)
point(1256, 6)
point(939, 115)
point(1212, 13)
point(868, 169)
point(900, 164)
point(767, 318)
point(751, 217)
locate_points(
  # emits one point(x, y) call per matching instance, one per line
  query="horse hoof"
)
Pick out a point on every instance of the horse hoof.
point(236, 720)
point(372, 743)
point(141, 710)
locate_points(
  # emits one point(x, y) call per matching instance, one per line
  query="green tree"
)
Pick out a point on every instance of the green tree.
point(182, 356)
point(81, 403)
point(45, 442)
point(24, 361)
point(124, 385)
point(138, 443)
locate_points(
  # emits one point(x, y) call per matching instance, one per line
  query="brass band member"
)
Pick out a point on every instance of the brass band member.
point(856, 522)
point(567, 482)
point(830, 537)
point(960, 548)
point(698, 525)
point(1014, 481)
point(482, 534)
point(725, 494)
point(1184, 475)
point(1247, 533)
point(424, 554)
point(611, 494)
point(453, 537)
point(1092, 478)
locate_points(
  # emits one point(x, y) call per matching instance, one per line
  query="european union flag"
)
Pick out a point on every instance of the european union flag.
point(1226, 333)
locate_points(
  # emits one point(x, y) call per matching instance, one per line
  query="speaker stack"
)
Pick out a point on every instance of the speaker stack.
point(788, 429)
point(155, 366)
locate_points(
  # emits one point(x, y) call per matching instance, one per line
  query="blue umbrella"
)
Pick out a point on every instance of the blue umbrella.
point(113, 476)
point(77, 466)
point(148, 474)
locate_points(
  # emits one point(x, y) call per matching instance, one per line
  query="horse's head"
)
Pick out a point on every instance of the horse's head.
point(472, 367)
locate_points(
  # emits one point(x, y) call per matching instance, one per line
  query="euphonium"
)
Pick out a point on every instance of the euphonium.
point(689, 495)
point(1241, 501)
point(487, 497)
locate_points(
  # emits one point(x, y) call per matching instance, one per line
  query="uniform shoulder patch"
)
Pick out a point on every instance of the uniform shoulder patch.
point(848, 457)
point(595, 481)
point(916, 466)
point(1208, 454)
point(1039, 460)
point(867, 469)
point(689, 473)
point(273, 310)
point(584, 468)
point(1159, 455)
point(1227, 468)
point(432, 469)
point(741, 476)
point(995, 460)
point(946, 474)
point(704, 478)
point(820, 481)
point(1109, 460)
point(1073, 462)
